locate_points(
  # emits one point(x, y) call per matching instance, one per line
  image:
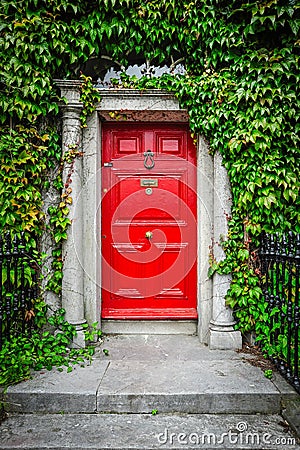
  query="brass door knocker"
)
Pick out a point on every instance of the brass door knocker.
point(149, 159)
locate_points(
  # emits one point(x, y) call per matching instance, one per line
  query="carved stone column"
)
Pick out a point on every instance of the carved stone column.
point(222, 333)
point(72, 284)
point(205, 238)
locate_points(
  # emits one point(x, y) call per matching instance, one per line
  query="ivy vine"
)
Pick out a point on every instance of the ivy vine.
point(241, 88)
point(42, 348)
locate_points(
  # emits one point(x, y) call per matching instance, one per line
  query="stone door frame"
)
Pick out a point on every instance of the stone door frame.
point(81, 289)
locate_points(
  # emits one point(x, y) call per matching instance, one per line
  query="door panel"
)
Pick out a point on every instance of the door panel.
point(149, 245)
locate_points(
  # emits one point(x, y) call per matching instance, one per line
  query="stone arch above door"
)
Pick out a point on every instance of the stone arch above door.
point(81, 282)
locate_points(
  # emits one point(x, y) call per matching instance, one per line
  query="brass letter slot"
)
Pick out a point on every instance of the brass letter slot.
point(153, 182)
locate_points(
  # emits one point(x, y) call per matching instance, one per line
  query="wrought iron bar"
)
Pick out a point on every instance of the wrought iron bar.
point(8, 255)
point(15, 305)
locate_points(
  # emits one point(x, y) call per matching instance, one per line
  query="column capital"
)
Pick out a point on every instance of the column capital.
point(71, 112)
point(70, 90)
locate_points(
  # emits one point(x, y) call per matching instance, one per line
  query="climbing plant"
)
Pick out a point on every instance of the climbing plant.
point(27, 352)
point(241, 88)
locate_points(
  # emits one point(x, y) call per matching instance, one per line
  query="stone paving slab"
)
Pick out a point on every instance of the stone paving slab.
point(132, 432)
point(56, 391)
point(149, 347)
point(212, 386)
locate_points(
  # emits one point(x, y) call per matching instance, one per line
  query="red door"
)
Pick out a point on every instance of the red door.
point(149, 244)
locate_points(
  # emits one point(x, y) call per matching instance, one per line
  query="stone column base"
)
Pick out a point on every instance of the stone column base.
point(79, 339)
point(224, 338)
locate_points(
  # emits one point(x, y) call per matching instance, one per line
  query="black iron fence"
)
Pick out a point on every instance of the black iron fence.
point(280, 265)
point(18, 276)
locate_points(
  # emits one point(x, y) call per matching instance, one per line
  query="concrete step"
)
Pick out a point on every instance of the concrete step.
point(189, 387)
point(145, 431)
point(140, 375)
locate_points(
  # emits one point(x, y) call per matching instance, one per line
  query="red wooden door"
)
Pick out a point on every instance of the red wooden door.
point(149, 244)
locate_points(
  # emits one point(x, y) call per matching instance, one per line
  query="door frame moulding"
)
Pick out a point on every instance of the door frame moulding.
point(81, 296)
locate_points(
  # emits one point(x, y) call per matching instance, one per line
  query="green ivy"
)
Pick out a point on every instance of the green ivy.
point(23, 160)
point(89, 96)
point(41, 348)
point(241, 89)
